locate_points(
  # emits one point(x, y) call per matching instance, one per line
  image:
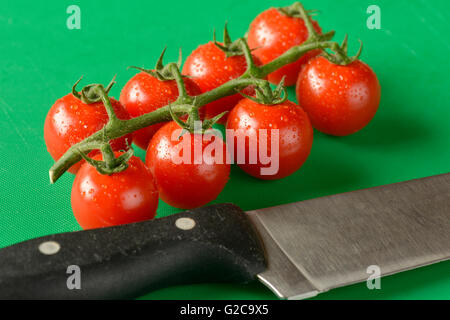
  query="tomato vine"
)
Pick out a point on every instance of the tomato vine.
point(185, 104)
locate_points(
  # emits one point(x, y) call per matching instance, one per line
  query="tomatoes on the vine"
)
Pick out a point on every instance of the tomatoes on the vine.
point(209, 67)
point(287, 148)
point(190, 171)
point(107, 200)
point(271, 34)
point(70, 121)
point(339, 99)
point(144, 93)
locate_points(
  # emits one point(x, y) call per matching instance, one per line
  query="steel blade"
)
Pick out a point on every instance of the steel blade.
point(324, 243)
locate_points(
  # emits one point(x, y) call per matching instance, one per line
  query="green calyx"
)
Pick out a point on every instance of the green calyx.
point(90, 93)
point(296, 10)
point(193, 123)
point(161, 72)
point(231, 48)
point(265, 95)
point(340, 55)
point(110, 164)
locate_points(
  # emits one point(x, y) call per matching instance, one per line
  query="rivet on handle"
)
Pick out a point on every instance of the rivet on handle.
point(49, 247)
point(185, 223)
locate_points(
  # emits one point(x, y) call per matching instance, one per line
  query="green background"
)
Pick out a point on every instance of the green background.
point(408, 138)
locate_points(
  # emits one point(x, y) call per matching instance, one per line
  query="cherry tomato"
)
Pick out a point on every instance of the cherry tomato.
point(70, 121)
point(195, 181)
point(295, 137)
point(144, 93)
point(209, 67)
point(339, 100)
point(108, 200)
point(271, 34)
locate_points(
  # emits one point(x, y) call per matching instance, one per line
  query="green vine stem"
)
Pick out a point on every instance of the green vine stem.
point(185, 104)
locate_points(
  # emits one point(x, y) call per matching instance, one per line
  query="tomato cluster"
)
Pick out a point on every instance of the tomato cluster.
point(337, 96)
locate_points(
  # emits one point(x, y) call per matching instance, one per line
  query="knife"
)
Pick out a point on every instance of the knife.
point(297, 250)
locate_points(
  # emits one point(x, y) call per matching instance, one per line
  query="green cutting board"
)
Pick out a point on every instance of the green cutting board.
point(409, 137)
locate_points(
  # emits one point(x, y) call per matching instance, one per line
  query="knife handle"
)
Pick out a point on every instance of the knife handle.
point(210, 244)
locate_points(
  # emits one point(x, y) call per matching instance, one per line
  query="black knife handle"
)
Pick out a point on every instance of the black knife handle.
point(130, 260)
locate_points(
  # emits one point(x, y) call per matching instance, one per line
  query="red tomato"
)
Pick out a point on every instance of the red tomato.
point(109, 200)
point(187, 184)
point(210, 68)
point(339, 100)
point(144, 93)
point(295, 137)
point(70, 121)
point(271, 34)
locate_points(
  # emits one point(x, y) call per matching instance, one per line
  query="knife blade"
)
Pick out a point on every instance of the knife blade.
point(298, 250)
point(330, 242)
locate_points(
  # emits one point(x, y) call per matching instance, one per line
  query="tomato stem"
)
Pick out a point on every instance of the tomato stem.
point(107, 103)
point(183, 96)
point(108, 155)
point(294, 53)
point(251, 67)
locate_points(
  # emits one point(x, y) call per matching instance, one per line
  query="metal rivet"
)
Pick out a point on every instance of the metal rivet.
point(49, 247)
point(185, 223)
